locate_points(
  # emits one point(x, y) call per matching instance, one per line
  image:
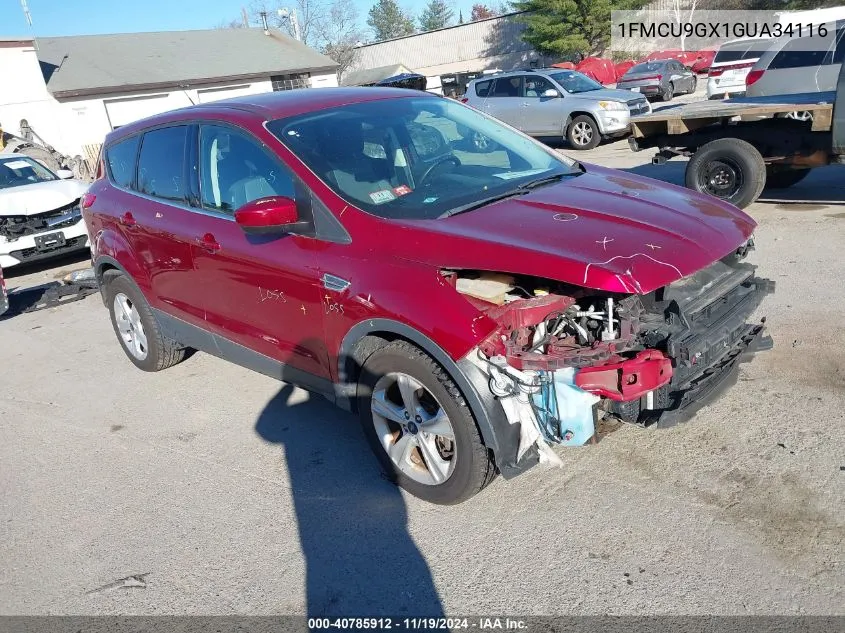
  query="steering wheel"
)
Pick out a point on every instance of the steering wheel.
point(435, 165)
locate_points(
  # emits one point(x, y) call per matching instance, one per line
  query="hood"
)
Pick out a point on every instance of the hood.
point(608, 94)
point(603, 229)
point(40, 197)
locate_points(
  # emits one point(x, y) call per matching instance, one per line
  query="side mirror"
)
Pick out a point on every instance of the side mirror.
point(64, 174)
point(551, 93)
point(273, 214)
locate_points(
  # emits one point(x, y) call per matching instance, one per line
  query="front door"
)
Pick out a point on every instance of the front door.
point(541, 115)
point(262, 292)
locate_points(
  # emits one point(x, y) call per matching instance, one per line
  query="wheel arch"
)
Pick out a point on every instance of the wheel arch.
point(576, 113)
point(365, 338)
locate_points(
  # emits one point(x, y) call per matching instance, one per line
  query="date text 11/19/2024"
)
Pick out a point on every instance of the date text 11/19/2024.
point(412, 624)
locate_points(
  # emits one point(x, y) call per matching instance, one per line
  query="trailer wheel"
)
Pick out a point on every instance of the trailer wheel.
point(728, 168)
point(784, 178)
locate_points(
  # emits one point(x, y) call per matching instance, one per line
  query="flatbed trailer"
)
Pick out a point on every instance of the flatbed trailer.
point(739, 146)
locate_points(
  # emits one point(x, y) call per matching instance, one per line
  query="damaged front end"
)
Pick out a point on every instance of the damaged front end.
point(564, 357)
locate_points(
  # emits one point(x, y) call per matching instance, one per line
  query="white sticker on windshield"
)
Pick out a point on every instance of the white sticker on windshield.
point(380, 197)
point(16, 164)
point(508, 175)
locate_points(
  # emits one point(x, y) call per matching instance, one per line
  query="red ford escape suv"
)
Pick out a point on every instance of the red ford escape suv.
point(471, 294)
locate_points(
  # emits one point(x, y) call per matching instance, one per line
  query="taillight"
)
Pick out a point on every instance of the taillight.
point(716, 72)
point(87, 200)
point(753, 77)
point(465, 100)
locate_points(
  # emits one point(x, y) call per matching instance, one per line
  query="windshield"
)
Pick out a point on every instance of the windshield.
point(416, 158)
point(23, 170)
point(575, 82)
point(646, 67)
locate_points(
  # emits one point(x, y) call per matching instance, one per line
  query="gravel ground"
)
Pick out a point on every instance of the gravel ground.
point(208, 489)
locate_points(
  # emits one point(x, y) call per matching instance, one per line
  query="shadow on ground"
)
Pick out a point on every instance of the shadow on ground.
point(353, 524)
point(823, 186)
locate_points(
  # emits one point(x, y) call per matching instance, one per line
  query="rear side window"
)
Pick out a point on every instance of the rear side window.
point(508, 87)
point(161, 163)
point(839, 51)
point(120, 159)
point(794, 54)
point(482, 88)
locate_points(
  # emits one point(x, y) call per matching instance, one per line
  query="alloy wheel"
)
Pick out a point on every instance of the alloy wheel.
point(413, 428)
point(582, 133)
point(129, 326)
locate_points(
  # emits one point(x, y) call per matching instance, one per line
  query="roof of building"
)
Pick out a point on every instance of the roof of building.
point(97, 64)
point(374, 75)
point(463, 26)
point(273, 105)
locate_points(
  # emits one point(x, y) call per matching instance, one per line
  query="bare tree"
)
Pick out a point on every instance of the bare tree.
point(339, 34)
point(683, 11)
point(282, 13)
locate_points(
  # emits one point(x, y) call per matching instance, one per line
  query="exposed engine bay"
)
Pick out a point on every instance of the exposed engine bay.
point(14, 226)
point(563, 356)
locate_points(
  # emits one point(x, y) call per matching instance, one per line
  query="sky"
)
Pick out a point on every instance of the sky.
point(84, 17)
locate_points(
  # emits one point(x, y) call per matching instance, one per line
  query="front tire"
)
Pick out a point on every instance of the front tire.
point(728, 168)
point(583, 133)
point(667, 94)
point(420, 427)
point(137, 329)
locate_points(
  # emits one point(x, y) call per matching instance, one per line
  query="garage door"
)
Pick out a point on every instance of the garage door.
point(215, 94)
point(123, 111)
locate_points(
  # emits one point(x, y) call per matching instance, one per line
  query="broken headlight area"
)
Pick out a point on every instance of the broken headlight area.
point(13, 227)
point(563, 357)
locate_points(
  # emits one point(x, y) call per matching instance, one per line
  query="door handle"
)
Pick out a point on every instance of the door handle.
point(127, 219)
point(209, 243)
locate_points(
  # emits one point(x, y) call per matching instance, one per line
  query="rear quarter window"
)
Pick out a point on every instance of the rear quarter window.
point(120, 161)
point(482, 88)
point(161, 163)
point(795, 54)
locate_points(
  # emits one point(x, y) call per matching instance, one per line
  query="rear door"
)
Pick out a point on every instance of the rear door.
point(541, 115)
point(261, 292)
point(149, 202)
point(505, 100)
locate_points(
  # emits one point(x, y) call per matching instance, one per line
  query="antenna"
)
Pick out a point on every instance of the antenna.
point(26, 12)
point(263, 15)
point(244, 17)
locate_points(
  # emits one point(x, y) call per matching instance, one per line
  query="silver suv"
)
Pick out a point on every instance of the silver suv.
point(557, 103)
point(797, 65)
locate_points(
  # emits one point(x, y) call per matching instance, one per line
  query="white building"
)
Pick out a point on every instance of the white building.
point(456, 53)
point(74, 90)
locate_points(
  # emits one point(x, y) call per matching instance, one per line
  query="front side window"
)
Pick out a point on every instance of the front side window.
point(536, 86)
point(235, 169)
point(415, 158)
point(18, 171)
point(161, 163)
point(575, 82)
point(120, 159)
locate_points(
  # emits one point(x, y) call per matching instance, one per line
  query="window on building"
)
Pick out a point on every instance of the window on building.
point(291, 82)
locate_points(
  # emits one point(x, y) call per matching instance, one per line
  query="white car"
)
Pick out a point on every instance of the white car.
point(40, 215)
point(730, 66)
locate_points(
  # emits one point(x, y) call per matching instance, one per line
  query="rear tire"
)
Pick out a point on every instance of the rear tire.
point(583, 133)
point(426, 461)
point(784, 178)
point(137, 329)
point(729, 169)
